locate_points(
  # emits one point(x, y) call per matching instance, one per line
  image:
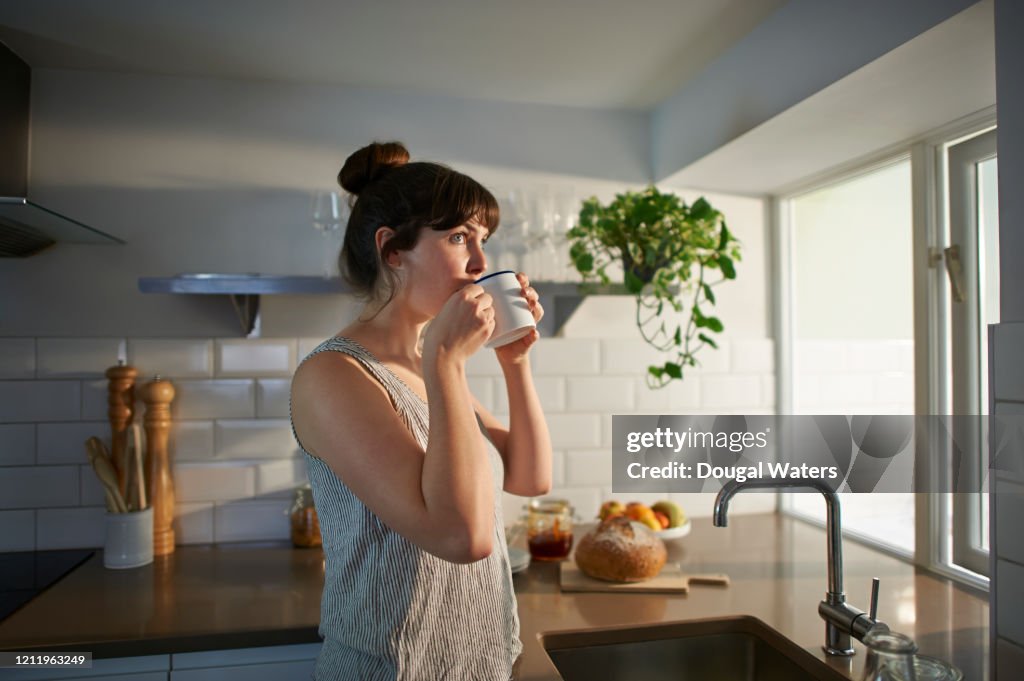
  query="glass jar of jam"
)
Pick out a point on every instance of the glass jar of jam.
point(549, 529)
point(305, 524)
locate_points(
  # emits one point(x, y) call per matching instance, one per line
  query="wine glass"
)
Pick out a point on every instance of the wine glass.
point(329, 212)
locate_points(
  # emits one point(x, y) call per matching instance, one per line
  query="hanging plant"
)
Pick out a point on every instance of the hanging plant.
point(672, 256)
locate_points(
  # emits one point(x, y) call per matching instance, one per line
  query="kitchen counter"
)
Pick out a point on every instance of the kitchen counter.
point(244, 595)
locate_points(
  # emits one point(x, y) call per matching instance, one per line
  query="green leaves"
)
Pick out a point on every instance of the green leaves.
point(665, 248)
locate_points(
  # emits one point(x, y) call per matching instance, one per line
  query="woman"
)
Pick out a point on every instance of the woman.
point(417, 580)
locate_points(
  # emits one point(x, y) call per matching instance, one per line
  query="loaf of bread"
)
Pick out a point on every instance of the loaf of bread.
point(621, 551)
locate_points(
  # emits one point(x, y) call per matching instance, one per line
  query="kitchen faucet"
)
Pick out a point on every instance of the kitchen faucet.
point(841, 619)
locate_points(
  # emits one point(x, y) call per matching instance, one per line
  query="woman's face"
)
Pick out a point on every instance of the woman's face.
point(441, 263)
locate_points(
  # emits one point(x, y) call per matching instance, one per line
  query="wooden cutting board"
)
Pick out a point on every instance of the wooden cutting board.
point(670, 580)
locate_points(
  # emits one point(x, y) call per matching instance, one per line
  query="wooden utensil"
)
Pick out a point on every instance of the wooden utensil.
point(140, 478)
point(671, 580)
point(105, 472)
point(121, 401)
point(158, 394)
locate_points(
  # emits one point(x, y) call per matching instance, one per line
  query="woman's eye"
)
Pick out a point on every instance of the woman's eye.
point(458, 238)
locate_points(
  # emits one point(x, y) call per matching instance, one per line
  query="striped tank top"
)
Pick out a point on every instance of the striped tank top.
point(389, 609)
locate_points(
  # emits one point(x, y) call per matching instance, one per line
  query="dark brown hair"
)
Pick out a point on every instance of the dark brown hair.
point(389, 191)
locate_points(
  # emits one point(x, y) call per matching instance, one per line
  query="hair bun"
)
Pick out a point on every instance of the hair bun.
point(367, 164)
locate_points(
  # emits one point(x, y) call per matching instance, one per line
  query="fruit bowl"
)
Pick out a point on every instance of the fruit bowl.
point(674, 532)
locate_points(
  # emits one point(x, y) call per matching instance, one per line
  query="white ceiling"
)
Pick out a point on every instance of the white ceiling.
point(945, 74)
point(589, 53)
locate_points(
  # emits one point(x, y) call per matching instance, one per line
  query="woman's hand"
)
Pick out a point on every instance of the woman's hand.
point(515, 352)
point(462, 326)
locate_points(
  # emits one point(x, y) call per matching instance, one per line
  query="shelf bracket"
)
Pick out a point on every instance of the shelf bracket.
point(247, 309)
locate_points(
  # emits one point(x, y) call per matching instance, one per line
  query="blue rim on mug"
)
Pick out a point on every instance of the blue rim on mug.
point(493, 275)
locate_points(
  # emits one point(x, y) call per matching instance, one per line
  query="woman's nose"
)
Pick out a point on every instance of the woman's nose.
point(477, 261)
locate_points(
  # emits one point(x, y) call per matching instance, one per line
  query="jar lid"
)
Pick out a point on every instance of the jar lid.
point(549, 505)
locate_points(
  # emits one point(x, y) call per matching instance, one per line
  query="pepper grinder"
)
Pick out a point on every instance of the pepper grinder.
point(121, 411)
point(158, 394)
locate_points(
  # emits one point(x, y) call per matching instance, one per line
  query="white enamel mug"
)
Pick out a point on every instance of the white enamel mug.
point(512, 316)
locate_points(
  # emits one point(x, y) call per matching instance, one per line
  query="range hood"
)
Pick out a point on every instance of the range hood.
point(26, 227)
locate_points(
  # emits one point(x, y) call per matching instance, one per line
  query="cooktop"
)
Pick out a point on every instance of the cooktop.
point(26, 574)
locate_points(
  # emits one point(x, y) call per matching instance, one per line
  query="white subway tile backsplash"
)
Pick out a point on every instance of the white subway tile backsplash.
point(1009, 370)
point(171, 358)
point(819, 357)
point(38, 486)
point(730, 392)
point(880, 356)
point(712, 360)
point(280, 478)
point(1010, 581)
point(94, 400)
point(70, 528)
point(191, 441)
point(550, 390)
point(38, 401)
point(17, 444)
point(894, 388)
point(17, 530)
point(584, 500)
point(89, 488)
point(217, 399)
point(482, 388)
point(574, 430)
point(845, 390)
point(193, 523)
point(265, 357)
point(254, 439)
point(76, 357)
point(659, 400)
point(485, 363)
point(628, 357)
point(250, 520)
point(557, 468)
point(566, 357)
point(272, 395)
point(591, 467)
point(600, 394)
point(306, 346)
point(17, 358)
point(65, 442)
point(213, 482)
point(753, 356)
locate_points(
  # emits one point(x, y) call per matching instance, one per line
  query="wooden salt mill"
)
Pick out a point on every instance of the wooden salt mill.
point(158, 394)
point(121, 401)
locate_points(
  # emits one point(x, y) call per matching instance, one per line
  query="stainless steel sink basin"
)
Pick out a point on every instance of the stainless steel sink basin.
point(726, 649)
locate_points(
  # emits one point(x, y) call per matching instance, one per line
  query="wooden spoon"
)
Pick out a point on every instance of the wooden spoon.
point(105, 472)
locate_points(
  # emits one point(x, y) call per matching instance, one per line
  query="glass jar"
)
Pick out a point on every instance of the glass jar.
point(549, 529)
point(305, 524)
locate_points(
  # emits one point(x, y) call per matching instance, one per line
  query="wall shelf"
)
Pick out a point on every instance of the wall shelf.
point(560, 299)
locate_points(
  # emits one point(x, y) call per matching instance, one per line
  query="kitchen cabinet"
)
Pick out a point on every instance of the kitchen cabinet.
point(269, 663)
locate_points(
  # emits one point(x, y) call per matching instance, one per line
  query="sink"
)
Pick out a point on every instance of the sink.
point(723, 649)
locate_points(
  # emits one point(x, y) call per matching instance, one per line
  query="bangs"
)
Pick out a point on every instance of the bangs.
point(459, 199)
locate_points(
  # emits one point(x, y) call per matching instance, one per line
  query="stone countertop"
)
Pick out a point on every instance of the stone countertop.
point(257, 594)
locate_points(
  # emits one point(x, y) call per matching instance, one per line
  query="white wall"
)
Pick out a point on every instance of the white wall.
point(209, 175)
point(803, 47)
point(202, 175)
